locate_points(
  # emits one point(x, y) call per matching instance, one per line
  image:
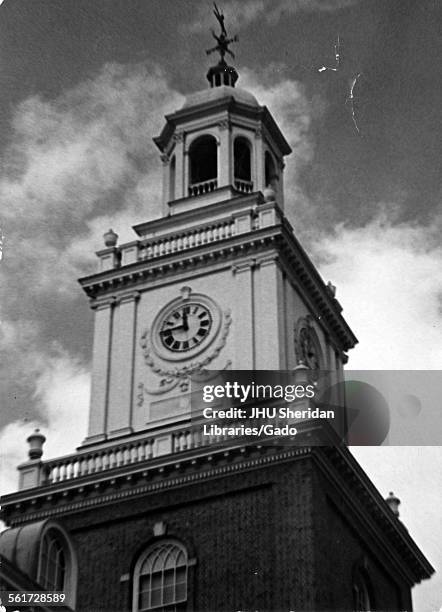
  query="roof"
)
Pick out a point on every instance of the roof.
point(218, 93)
point(20, 545)
point(209, 102)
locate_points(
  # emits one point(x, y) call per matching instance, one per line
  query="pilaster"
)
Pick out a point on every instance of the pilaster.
point(224, 154)
point(122, 365)
point(165, 161)
point(269, 314)
point(259, 178)
point(180, 166)
point(244, 332)
point(101, 354)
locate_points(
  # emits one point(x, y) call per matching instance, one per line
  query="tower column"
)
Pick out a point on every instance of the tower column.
point(180, 169)
point(224, 154)
point(259, 179)
point(269, 315)
point(122, 366)
point(166, 181)
point(101, 370)
point(244, 328)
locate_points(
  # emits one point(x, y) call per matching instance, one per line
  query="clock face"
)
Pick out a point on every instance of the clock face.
point(185, 327)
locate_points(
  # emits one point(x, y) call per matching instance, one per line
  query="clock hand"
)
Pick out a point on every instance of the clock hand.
point(169, 329)
point(185, 323)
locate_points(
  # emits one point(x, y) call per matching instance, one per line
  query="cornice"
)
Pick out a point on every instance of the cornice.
point(293, 260)
point(135, 481)
point(366, 503)
point(229, 104)
point(131, 275)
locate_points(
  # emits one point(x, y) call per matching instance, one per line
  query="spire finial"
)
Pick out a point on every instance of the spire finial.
point(223, 40)
point(222, 74)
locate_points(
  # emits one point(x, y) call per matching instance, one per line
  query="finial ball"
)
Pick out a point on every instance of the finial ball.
point(36, 441)
point(269, 194)
point(110, 238)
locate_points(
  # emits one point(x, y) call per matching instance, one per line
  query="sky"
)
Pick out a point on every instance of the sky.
point(84, 87)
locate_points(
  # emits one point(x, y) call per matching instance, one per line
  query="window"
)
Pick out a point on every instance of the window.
point(172, 171)
point(52, 563)
point(203, 160)
point(57, 566)
point(271, 176)
point(160, 578)
point(361, 593)
point(241, 154)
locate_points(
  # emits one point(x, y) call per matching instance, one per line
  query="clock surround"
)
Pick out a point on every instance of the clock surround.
point(185, 326)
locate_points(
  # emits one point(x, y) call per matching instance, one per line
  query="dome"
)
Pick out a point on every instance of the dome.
point(218, 93)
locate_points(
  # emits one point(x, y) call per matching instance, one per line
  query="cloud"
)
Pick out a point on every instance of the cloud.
point(413, 474)
point(294, 113)
point(242, 14)
point(389, 282)
point(62, 392)
point(75, 166)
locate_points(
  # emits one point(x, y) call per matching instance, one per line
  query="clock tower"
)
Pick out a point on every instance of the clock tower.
point(149, 514)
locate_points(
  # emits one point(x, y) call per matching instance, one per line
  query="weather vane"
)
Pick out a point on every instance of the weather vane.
point(351, 80)
point(223, 40)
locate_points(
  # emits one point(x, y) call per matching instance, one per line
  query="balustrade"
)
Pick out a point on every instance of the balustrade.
point(243, 186)
point(202, 188)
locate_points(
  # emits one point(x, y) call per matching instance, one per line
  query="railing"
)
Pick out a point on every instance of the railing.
point(86, 463)
point(243, 186)
point(181, 240)
point(186, 239)
point(204, 187)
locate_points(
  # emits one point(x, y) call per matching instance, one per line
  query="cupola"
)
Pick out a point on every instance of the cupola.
point(222, 143)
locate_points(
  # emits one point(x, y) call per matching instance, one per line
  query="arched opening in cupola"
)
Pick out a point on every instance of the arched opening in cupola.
point(242, 165)
point(271, 175)
point(203, 165)
point(172, 172)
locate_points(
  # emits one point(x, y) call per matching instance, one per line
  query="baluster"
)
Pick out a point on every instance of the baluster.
point(150, 448)
point(183, 441)
point(98, 464)
point(134, 454)
point(50, 474)
point(140, 452)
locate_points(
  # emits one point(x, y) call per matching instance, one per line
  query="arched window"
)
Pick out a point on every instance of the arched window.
point(242, 165)
point(363, 600)
point(203, 159)
point(172, 170)
point(160, 578)
point(271, 176)
point(57, 567)
point(52, 563)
